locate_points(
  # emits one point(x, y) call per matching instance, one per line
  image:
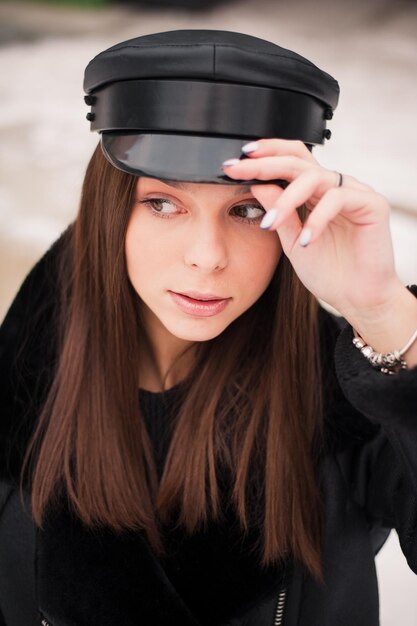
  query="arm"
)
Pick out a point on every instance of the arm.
point(387, 400)
point(389, 326)
point(382, 472)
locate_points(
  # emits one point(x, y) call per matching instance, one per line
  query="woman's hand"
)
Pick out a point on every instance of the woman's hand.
point(343, 252)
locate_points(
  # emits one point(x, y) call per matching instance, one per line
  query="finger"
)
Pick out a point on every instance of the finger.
point(278, 147)
point(266, 168)
point(354, 183)
point(267, 195)
point(360, 207)
point(289, 232)
point(313, 182)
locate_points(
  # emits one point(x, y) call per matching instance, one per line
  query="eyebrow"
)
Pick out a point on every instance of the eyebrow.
point(238, 189)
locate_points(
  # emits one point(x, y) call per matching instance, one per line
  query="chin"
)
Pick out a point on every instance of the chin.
point(198, 330)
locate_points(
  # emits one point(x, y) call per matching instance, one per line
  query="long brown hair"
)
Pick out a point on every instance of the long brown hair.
point(251, 406)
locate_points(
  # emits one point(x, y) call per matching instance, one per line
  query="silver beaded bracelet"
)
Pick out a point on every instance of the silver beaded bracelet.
point(388, 363)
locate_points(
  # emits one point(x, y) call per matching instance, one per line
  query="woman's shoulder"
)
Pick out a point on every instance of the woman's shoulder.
point(27, 355)
point(37, 292)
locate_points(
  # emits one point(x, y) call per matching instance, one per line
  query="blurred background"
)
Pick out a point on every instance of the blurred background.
point(369, 47)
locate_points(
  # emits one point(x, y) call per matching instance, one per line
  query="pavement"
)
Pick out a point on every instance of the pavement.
point(45, 144)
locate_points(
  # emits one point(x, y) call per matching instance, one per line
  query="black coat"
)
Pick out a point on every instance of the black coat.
point(368, 479)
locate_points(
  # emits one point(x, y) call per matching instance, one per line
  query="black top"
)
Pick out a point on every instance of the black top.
point(221, 554)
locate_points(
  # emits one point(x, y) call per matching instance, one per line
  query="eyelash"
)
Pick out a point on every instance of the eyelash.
point(150, 201)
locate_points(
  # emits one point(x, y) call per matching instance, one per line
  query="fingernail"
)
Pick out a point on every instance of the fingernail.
point(250, 147)
point(230, 162)
point(305, 237)
point(269, 219)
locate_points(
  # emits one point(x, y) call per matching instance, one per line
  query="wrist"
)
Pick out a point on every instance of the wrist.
point(388, 327)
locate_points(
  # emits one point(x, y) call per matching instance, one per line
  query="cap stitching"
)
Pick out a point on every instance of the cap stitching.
point(195, 45)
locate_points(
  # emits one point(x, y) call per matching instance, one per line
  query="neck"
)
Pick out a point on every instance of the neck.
point(167, 359)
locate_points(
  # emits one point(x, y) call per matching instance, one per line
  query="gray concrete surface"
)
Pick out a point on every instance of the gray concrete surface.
point(370, 47)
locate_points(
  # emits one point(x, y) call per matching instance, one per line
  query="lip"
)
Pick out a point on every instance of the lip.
point(206, 305)
point(200, 296)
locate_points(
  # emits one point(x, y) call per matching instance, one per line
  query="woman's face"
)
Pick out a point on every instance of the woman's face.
point(187, 243)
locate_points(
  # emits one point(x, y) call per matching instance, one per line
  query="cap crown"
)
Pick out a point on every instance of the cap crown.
point(211, 55)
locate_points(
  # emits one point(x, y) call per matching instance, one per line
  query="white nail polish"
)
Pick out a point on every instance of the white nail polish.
point(269, 218)
point(250, 147)
point(305, 237)
point(231, 162)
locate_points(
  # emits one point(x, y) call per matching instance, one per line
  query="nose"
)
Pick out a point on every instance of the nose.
point(206, 248)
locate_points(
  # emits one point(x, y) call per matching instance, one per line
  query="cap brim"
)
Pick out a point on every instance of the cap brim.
point(186, 158)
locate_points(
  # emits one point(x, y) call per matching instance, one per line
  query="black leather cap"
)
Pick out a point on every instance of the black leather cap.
point(175, 105)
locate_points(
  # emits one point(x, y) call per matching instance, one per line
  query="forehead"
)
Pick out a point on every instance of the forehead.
point(193, 188)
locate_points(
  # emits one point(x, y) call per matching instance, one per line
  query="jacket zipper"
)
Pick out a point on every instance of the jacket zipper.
point(279, 611)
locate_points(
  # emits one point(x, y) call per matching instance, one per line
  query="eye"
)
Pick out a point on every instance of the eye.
point(250, 213)
point(162, 206)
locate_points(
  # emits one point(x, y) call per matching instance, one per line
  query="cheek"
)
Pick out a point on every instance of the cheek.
point(132, 249)
point(146, 254)
point(138, 251)
point(263, 260)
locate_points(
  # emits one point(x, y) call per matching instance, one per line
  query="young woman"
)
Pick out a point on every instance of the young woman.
point(187, 436)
